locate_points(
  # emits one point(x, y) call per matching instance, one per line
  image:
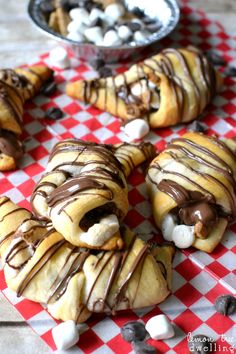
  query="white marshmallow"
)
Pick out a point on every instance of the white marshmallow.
point(159, 327)
point(137, 128)
point(124, 32)
point(155, 101)
point(75, 36)
point(140, 36)
point(65, 335)
point(94, 34)
point(99, 233)
point(114, 11)
point(75, 26)
point(80, 15)
point(59, 58)
point(167, 227)
point(95, 14)
point(139, 88)
point(183, 236)
point(111, 38)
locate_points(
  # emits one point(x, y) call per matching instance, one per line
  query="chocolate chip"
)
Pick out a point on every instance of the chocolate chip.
point(139, 13)
point(47, 7)
point(105, 71)
point(97, 63)
point(197, 126)
point(215, 58)
point(54, 113)
point(89, 5)
point(133, 331)
point(49, 88)
point(98, 22)
point(143, 348)
point(68, 5)
point(134, 26)
point(200, 344)
point(225, 304)
point(153, 27)
point(230, 71)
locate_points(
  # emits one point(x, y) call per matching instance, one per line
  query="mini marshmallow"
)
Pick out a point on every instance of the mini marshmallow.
point(114, 11)
point(95, 14)
point(75, 36)
point(124, 32)
point(65, 335)
point(140, 36)
point(159, 327)
point(80, 15)
point(183, 236)
point(102, 231)
point(94, 34)
point(59, 58)
point(167, 227)
point(111, 38)
point(137, 128)
point(75, 26)
point(137, 89)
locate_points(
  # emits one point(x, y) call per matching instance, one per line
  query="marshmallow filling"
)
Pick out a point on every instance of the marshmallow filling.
point(143, 93)
point(95, 215)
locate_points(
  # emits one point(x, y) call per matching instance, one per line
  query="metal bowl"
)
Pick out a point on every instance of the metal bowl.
point(165, 12)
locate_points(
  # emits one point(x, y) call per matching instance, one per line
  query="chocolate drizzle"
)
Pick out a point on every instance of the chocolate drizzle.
point(151, 68)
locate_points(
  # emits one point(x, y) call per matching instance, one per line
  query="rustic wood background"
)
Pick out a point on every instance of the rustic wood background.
point(20, 41)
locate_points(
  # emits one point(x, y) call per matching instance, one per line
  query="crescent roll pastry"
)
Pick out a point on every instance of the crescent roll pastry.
point(42, 266)
point(84, 190)
point(171, 87)
point(16, 86)
point(192, 185)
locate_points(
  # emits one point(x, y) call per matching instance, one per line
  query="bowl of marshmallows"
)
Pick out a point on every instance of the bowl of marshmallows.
point(111, 30)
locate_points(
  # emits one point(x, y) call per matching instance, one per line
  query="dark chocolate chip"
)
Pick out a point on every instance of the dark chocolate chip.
point(49, 88)
point(230, 71)
point(133, 331)
point(68, 5)
point(143, 348)
point(215, 58)
point(139, 13)
point(47, 7)
point(200, 344)
point(54, 113)
point(105, 71)
point(197, 126)
point(225, 304)
point(89, 5)
point(134, 26)
point(97, 63)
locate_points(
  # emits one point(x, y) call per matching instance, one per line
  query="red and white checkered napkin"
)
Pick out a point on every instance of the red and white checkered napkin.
point(198, 277)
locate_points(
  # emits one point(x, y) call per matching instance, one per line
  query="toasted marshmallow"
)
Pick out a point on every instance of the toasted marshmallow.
point(59, 58)
point(137, 128)
point(159, 327)
point(99, 233)
point(65, 335)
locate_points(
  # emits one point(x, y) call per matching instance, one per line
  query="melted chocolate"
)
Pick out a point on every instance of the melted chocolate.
point(10, 145)
point(199, 211)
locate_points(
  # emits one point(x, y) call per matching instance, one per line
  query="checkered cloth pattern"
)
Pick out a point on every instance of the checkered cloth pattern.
point(198, 277)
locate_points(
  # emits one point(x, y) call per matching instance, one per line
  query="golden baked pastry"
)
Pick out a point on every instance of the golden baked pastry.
point(75, 282)
point(84, 190)
point(192, 185)
point(16, 86)
point(171, 87)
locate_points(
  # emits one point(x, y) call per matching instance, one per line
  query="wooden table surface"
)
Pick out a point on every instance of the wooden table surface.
point(20, 41)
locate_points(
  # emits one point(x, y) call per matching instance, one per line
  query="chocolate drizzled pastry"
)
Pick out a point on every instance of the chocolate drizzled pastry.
point(75, 282)
point(16, 86)
point(84, 191)
point(193, 180)
point(169, 88)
